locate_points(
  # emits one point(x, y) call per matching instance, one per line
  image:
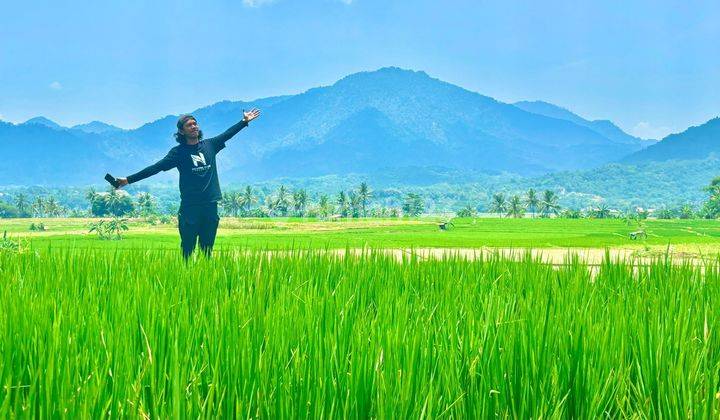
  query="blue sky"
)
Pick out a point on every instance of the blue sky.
point(653, 67)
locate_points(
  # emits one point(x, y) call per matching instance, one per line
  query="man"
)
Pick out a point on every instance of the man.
point(199, 186)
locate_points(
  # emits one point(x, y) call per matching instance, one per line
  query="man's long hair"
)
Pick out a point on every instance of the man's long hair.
point(179, 136)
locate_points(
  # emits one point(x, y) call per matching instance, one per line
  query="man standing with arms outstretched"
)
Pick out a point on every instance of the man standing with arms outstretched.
point(199, 186)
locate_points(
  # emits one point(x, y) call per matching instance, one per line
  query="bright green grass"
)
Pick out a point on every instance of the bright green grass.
point(90, 333)
point(389, 233)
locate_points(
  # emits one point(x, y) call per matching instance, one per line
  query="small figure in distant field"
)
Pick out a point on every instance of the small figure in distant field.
point(199, 186)
point(639, 234)
point(446, 225)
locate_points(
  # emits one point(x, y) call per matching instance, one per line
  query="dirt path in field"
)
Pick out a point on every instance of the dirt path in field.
point(554, 256)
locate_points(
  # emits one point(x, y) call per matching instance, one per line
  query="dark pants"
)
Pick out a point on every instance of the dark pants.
point(198, 222)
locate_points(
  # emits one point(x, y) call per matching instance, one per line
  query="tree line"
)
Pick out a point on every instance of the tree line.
point(283, 202)
point(546, 205)
point(351, 203)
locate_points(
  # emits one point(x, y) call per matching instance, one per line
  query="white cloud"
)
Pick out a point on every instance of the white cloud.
point(346, 1)
point(256, 3)
point(645, 130)
point(55, 85)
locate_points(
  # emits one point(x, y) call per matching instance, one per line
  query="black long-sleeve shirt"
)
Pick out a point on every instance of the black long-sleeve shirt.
point(199, 182)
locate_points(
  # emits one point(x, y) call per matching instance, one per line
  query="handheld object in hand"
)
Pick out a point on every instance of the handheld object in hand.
point(111, 179)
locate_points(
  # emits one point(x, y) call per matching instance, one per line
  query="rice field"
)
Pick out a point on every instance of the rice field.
point(697, 236)
point(130, 333)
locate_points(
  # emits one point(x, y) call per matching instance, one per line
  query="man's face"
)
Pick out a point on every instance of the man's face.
point(191, 128)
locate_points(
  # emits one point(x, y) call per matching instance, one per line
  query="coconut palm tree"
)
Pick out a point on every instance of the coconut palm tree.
point(300, 201)
point(354, 200)
point(687, 212)
point(342, 202)
point(324, 206)
point(248, 198)
point(38, 207)
point(282, 201)
point(364, 194)
point(498, 204)
point(52, 208)
point(515, 207)
point(227, 203)
point(549, 203)
point(22, 204)
point(91, 194)
point(602, 212)
point(239, 203)
point(532, 201)
point(413, 205)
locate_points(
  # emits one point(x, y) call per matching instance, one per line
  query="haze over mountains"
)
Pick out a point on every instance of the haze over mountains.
point(368, 122)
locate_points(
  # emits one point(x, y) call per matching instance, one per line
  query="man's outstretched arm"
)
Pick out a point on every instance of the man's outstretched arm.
point(164, 164)
point(230, 132)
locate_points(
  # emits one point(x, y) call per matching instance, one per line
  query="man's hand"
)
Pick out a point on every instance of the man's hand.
point(122, 182)
point(250, 115)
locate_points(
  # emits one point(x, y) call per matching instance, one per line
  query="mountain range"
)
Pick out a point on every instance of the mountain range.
point(696, 142)
point(368, 122)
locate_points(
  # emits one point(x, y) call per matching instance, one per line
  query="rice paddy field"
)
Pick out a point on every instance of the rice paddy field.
point(698, 236)
point(92, 328)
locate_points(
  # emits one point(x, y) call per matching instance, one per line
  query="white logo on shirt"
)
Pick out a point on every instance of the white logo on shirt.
point(199, 158)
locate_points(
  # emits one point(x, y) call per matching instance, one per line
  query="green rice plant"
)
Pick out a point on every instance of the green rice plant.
point(95, 333)
point(10, 245)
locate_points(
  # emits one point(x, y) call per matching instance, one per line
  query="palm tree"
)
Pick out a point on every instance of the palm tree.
point(300, 201)
point(52, 208)
point(268, 206)
point(687, 212)
point(324, 206)
point(515, 207)
point(603, 212)
point(91, 194)
point(38, 207)
point(21, 202)
point(499, 204)
point(239, 203)
point(354, 199)
point(342, 202)
point(413, 205)
point(532, 201)
point(248, 198)
point(282, 202)
point(364, 193)
point(549, 203)
point(228, 203)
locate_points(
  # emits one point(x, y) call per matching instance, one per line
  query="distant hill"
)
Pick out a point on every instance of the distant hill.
point(694, 143)
point(43, 121)
point(40, 154)
point(367, 122)
point(97, 127)
point(603, 127)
